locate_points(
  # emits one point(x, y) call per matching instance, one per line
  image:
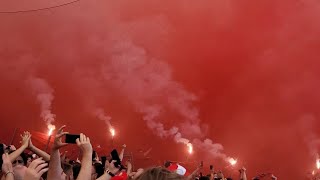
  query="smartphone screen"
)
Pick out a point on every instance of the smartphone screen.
point(71, 138)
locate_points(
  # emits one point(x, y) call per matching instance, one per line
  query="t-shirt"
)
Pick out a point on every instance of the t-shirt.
point(120, 176)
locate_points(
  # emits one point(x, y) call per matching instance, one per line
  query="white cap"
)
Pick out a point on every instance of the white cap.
point(181, 170)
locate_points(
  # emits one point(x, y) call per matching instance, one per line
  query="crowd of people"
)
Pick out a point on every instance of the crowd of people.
point(18, 165)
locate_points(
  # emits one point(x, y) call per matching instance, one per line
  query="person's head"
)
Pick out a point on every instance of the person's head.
point(94, 174)
point(167, 164)
point(19, 167)
point(2, 147)
point(159, 173)
point(98, 169)
point(20, 161)
point(204, 178)
point(67, 170)
point(76, 169)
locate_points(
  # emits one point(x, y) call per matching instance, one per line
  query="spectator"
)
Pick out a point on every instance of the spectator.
point(159, 173)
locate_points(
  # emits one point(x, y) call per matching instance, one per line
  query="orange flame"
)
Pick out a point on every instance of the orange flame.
point(190, 148)
point(113, 132)
point(232, 161)
point(51, 129)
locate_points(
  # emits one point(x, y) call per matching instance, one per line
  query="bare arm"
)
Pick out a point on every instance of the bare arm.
point(105, 176)
point(129, 167)
point(243, 175)
point(86, 165)
point(55, 169)
point(24, 144)
point(195, 172)
point(38, 151)
point(211, 174)
point(122, 152)
point(7, 167)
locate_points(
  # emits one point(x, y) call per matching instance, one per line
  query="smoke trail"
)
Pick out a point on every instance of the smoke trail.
point(101, 115)
point(214, 149)
point(44, 96)
point(306, 127)
point(148, 84)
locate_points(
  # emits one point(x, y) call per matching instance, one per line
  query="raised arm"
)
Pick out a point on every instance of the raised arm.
point(55, 169)
point(25, 137)
point(211, 172)
point(243, 175)
point(38, 151)
point(7, 167)
point(129, 167)
point(122, 152)
point(195, 172)
point(86, 165)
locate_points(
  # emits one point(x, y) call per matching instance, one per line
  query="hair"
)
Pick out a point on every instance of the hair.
point(99, 169)
point(167, 164)
point(76, 169)
point(66, 167)
point(94, 155)
point(1, 152)
point(159, 173)
point(204, 178)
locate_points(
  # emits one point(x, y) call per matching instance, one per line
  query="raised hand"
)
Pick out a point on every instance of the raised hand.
point(36, 169)
point(243, 169)
point(111, 167)
point(7, 165)
point(84, 144)
point(30, 145)
point(128, 164)
point(57, 139)
point(25, 138)
point(200, 165)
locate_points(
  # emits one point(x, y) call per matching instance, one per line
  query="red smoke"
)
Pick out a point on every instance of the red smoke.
point(241, 73)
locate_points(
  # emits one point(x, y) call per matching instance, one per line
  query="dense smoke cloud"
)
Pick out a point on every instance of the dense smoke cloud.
point(256, 64)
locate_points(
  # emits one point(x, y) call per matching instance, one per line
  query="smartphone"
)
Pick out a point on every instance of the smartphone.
point(71, 138)
point(201, 164)
point(211, 167)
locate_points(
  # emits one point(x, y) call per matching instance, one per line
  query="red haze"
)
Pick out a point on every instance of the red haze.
point(242, 73)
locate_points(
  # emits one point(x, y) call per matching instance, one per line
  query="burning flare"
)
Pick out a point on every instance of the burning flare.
point(190, 148)
point(51, 129)
point(232, 161)
point(318, 163)
point(113, 132)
